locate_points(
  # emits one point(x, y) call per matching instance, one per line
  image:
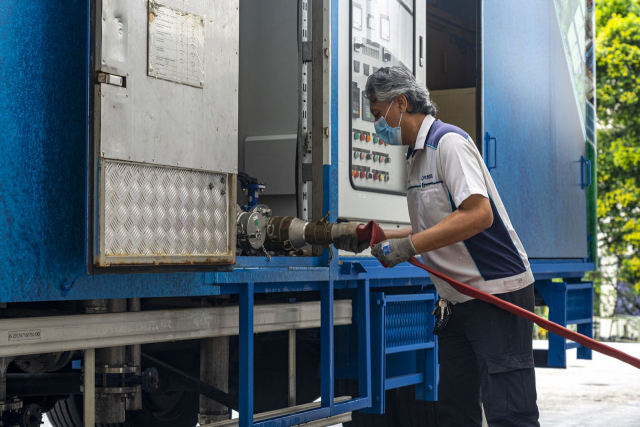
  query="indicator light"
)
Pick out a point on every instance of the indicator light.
point(356, 135)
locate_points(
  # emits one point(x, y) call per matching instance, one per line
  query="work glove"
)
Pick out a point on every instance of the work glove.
point(394, 251)
point(351, 244)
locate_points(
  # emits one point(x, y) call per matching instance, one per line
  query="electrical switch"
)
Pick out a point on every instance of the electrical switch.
point(368, 138)
point(356, 135)
point(363, 156)
point(375, 139)
point(354, 173)
point(362, 174)
point(381, 159)
point(355, 154)
point(362, 137)
point(375, 158)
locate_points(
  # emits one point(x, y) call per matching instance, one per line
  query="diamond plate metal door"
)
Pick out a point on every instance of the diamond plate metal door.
point(165, 134)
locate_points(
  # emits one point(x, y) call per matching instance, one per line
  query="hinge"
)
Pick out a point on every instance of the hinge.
point(111, 79)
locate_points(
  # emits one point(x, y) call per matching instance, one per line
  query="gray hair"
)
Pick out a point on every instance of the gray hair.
point(388, 82)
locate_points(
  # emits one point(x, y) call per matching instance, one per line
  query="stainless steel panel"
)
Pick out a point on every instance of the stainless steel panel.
point(152, 120)
point(160, 215)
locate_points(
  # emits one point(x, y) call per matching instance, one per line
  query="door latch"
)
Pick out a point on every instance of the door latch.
point(111, 79)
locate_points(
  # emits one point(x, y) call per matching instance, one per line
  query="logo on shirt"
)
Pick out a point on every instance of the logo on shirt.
point(425, 177)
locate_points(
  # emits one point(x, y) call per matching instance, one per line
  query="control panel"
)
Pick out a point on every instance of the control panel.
point(382, 35)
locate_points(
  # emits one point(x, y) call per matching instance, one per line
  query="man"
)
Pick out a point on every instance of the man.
point(460, 227)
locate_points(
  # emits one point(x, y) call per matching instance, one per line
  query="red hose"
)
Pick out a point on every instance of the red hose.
point(373, 231)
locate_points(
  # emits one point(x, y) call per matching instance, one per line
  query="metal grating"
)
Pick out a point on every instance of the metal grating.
point(160, 211)
point(579, 304)
point(407, 323)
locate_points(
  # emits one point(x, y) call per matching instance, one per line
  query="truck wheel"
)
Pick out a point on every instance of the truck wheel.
point(178, 409)
point(67, 412)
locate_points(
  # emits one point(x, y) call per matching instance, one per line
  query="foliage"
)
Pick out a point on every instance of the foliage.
point(618, 88)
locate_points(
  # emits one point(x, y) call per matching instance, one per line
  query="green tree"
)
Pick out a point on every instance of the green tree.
point(618, 88)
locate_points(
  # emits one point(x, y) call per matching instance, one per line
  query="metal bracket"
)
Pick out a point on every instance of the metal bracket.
point(307, 49)
point(348, 267)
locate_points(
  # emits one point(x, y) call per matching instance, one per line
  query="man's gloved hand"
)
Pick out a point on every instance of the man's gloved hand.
point(351, 244)
point(394, 251)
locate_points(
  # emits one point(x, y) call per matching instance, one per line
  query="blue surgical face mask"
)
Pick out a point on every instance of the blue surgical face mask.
point(392, 136)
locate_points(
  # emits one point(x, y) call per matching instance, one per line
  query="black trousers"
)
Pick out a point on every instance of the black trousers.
point(486, 358)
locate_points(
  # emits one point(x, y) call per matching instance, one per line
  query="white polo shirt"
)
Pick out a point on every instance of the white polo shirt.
point(445, 168)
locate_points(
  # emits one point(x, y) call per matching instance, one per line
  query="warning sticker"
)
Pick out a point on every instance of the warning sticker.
point(176, 45)
point(33, 334)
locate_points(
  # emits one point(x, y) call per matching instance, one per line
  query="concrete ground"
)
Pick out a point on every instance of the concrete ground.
point(589, 393)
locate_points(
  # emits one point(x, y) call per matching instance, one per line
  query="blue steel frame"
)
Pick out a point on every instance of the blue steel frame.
point(67, 279)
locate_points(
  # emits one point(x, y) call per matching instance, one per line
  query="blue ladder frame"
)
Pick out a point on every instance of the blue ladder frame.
point(327, 408)
point(570, 303)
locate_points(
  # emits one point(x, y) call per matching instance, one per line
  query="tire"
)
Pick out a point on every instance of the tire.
point(182, 411)
point(66, 413)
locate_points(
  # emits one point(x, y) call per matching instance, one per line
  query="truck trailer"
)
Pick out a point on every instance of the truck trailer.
point(176, 172)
